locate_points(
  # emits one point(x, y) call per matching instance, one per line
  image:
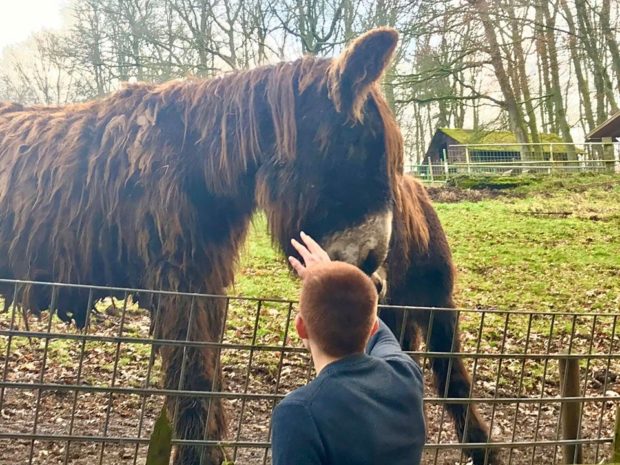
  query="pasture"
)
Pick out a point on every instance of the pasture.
point(530, 243)
point(540, 245)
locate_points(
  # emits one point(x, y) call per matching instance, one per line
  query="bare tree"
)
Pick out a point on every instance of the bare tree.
point(43, 74)
point(577, 58)
point(459, 63)
point(554, 67)
point(588, 33)
point(520, 80)
point(610, 38)
point(493, 49)
point(315, 23)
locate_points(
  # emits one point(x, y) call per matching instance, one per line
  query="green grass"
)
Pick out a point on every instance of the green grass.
point(557, 248)
point(535, 184)
point(553, 245)
point(262, 270)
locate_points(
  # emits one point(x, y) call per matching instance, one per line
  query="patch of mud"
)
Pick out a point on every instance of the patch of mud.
point(451, 194)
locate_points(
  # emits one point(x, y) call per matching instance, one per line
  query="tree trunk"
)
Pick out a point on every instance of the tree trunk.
point(419, 133)
point(555, 78)
point(602, 82)
point(582, 82)
point(521, 74)
point(541, 91)
point(610, 39)
point(493, 49)
point(541, 48)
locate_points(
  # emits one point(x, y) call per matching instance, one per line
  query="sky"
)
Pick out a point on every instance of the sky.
point(20, 18)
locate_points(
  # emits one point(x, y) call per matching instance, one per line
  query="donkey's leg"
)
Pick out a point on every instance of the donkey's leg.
point(194, 369)
point(452, 374)
point(394, 319)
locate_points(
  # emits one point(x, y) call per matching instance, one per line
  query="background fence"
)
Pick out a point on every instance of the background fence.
point(91, 396)
point(515, 159)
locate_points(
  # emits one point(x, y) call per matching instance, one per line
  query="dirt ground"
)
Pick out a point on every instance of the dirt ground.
point(129, 415)
point(451, 194)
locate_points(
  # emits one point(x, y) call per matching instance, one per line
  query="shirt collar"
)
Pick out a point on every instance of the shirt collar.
point(345, 362)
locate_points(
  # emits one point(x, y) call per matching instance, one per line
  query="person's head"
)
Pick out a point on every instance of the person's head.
point(337, 309)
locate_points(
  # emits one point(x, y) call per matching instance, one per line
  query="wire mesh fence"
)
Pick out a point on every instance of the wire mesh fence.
point(91, 395)
point(515, 159)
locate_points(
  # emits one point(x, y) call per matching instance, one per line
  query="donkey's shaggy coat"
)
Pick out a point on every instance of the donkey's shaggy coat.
point(154, 186)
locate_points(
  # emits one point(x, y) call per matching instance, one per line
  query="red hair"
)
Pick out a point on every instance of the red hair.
point(338, 304)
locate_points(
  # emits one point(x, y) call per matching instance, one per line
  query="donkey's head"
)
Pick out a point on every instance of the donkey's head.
point(332, 173)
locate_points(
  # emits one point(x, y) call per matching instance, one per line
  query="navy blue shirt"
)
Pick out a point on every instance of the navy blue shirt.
point(365, 409)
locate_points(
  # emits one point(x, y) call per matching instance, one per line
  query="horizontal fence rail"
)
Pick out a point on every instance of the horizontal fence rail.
point(92, 395)
point(514, 159)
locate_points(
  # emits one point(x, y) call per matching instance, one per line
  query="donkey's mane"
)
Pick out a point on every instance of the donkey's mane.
point(411, 216)
point(144, 143)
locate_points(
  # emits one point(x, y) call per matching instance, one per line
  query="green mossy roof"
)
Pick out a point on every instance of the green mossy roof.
point(473, 137)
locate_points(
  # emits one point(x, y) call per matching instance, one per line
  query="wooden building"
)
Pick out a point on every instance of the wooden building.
point(609, 131)
point(609, 134)
point(492, 146)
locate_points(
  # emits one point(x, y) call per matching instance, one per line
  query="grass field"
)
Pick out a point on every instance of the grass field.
point(542, 243)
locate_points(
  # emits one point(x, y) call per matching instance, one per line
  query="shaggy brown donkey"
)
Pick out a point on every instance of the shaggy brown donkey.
point(420, 272)
point(154, 187)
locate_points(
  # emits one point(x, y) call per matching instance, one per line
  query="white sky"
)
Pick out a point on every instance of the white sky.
point(20, 18)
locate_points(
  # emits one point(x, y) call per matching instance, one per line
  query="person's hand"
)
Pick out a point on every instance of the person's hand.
point(311, 253)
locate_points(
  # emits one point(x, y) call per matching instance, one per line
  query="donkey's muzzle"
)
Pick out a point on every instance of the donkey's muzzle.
point(380, 283)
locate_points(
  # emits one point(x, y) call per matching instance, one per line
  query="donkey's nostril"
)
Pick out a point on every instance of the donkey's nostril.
point(370, 263)
point(379, 285)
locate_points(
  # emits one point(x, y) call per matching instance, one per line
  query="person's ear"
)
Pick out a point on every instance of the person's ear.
point(375, 327)
point(300, 326)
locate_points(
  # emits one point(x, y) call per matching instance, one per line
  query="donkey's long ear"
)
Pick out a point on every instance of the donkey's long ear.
point(352, 74)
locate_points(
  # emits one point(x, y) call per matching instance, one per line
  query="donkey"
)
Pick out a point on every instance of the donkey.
point(154, 187)
point(419, 271)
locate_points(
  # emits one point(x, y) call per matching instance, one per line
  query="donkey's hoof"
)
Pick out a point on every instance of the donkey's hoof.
point(484, 456)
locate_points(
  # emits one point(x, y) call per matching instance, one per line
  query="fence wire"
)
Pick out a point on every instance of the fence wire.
point(91, 396)
point(517, 159)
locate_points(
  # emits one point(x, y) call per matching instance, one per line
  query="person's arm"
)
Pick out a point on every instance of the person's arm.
point(295, 439)
point(383, 343)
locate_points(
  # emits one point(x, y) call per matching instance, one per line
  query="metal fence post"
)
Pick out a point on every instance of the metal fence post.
point(570, 411)
point(615, 458)
point(467, 160)
point(430, 169)
point(445, 164)
point(551, 157)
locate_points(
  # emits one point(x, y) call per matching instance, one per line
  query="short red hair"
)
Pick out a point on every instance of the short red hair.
point(338, 304)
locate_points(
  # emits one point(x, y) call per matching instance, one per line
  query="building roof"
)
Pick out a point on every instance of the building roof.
point(610, 128)
point(483, 137)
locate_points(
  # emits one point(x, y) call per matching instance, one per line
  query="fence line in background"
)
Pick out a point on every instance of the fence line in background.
point(515, 159)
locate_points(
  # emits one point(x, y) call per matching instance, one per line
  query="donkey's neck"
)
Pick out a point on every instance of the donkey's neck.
point(241, 120)
point(229, 126)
